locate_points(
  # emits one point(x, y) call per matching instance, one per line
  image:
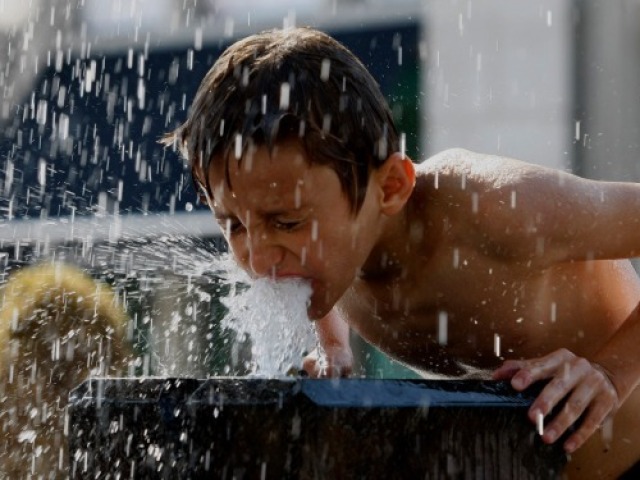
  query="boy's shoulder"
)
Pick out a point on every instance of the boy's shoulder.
point(457, 171)
point(476, 189)
point(459, 162)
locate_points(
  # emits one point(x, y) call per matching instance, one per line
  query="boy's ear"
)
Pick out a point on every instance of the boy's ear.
point(396, 179)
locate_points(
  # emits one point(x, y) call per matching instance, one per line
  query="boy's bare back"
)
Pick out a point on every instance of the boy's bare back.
point(480, 281)
point(490, 273)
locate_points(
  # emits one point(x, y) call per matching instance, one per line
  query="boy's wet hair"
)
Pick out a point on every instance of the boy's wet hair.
point(292, 83)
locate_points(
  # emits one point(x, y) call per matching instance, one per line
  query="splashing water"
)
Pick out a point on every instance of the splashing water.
point(273, 314)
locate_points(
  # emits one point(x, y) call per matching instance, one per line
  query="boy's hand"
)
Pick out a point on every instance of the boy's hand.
point(588, 390)
point(334, 362)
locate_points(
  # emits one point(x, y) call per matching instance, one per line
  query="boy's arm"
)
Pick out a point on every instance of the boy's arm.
point(543, 215)
point(539, 216)
point(619, 356)
point(337, 361)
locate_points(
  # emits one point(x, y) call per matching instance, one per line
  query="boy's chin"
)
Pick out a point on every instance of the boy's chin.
point(316, 312)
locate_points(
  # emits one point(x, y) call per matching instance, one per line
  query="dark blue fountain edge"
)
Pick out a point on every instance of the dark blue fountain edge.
point(343, 393)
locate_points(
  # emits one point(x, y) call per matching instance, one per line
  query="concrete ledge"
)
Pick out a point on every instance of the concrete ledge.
point(305, 428)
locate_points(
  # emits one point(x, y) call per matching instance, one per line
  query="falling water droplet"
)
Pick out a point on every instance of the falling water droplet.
point(197, 41)
point(540, 423)
point(237, 149)
point(325, 68)
point(284, 95)
point(474, 202)
point(442, 327)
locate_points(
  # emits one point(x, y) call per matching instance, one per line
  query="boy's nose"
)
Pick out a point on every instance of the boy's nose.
point(264, 255)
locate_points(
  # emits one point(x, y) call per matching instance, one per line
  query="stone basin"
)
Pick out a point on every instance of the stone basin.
point(254, 428)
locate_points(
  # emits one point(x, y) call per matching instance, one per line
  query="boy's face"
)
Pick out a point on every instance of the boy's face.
point(284, 217)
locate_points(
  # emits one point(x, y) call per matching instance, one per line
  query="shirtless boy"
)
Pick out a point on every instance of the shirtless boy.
point(294, 148)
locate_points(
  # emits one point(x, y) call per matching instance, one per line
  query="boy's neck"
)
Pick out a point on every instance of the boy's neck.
point(404, 238)
point(390, 255)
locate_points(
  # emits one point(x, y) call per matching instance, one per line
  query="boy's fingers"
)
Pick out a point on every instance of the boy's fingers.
point(605, 404)
point(563, 382)
point(598, 414)
point(507, 370)
point(339, 362)
point(311, 365)
point(336, 371)
point(573, 409)
point(316, 369)
point(590, 395)
point(541, 368)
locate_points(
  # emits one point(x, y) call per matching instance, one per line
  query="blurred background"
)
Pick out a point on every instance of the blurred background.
point(89, 86)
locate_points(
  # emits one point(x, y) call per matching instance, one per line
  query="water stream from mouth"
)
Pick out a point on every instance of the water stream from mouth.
point(273, 314)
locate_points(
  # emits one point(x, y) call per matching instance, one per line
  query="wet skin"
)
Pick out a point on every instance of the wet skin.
point(497, 248)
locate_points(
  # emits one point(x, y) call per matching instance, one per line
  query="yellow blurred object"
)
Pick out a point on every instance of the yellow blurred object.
point(58, 326)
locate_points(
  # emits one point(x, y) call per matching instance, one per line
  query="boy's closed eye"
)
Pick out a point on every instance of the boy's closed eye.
point(234, 226)
point(230, 226)
point(287, 224)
